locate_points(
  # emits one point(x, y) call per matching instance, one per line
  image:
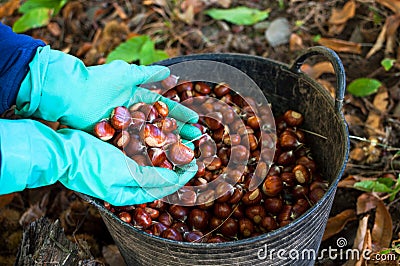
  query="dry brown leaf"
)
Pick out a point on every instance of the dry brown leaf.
point(359, 240)
point(320, 68)
point(374, 119)
point(8, 8)
point(336, 223)
point(393, 5)
point(187, 16)
point(365, 203)
point(357, 154)
point(391, 34)
point(341, 45)
point(223, 3)
point(340, 16)
point(361, 231)
point(194, 6)
point(367, 246)
point(162, 3)
point(6, 199)
point(353, 120)
point(120, 11)
point(295, 42)
point(382, 229)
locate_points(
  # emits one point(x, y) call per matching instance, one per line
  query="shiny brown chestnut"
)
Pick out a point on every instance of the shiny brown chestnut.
point(103, 130)
point(120, 117)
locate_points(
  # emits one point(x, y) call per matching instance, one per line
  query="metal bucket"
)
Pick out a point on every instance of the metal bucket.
point(297, 243)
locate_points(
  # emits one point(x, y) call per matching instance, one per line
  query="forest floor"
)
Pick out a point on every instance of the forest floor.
point(362, 32)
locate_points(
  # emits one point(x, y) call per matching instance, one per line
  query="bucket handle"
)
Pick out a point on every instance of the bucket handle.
point(337, 66)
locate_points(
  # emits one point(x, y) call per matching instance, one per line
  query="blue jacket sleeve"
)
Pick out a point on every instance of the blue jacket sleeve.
point(16, 52)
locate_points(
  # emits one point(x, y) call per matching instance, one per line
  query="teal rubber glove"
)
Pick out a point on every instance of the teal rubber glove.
point(33, 155)
point(59, 87)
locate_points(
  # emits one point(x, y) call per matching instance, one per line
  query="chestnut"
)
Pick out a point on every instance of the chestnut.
point(272, 186)
point(194, 236)
point(255, 213)
point(165, 218)
point(246, 227)
point(152, 136)
point(141, 218)
point(158, 228)
point(157, 156)
point(223, 191)
point(153, 213)
point(273, 205)
point(198, 219)
point(138, 120)
point(161, 108)
point(239, 154)
point(222, 210)
point(166, 124)
point(293, 118)
point(179, 154)
point(184, 86)
point(178, 212)
point(216, 239)
point(181, 227)
point(172, 234)
point(268, 223)
point(125, 216)
point(120, 117)
point(302, 174)
point(252, 197)
point(202, 88)
point(221, 89)
point(103, 130)
point(229, 228)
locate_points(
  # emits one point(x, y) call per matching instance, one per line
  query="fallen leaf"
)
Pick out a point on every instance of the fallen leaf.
point(6, 199)
point(120, 11)
point(318, 69)
point(196, 6)
point(391, 34)
point(162, 3)
point(374, 119)
point(340, 16)
point(8, 8)
point(357, 154)
point(341, 45)
point(382, 229)
point(367, 246)
point(365, 203)
point(295, 42)
point(223, 3)
point(393, 5)
point(337, 223)
point(187, 16)
point(54, 29)
point(361, 231)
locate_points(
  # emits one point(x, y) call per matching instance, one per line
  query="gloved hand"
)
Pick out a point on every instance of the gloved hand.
point(59, 87)
point(33, 155)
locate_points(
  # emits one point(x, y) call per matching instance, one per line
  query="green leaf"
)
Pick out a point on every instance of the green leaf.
point(386, 181)
point(51, 4)
point(239, 15)
point(387, 63)
point(363, 86)
point(150, 55)
point(396, 189)
point(137, 48)
point(365, 185)
point(35, 18)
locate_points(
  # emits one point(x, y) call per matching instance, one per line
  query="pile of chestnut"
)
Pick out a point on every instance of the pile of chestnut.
point(255, 172)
